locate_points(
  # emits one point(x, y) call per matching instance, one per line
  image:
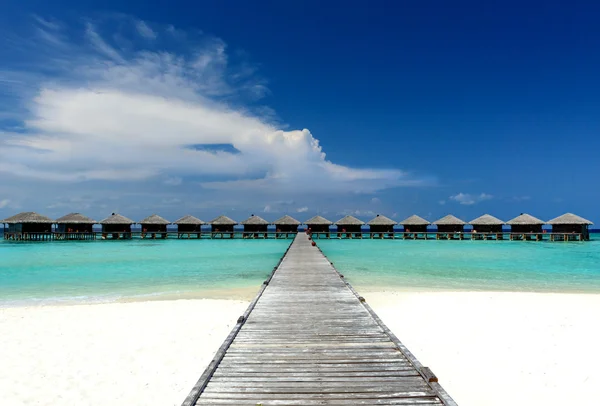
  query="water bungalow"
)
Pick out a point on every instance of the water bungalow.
point(189, 225)
point(526, 227)
point(318, 226)
point(349, 227)
point(28, 226)
point(222, 226)
point(487, 227)
point(415, 227)
point(255, 227)
point(154, 225)
point(286, 226)
point(75, 226)
point(450, 227)
point(570, 227)
point(381, 227)
point(117, 227)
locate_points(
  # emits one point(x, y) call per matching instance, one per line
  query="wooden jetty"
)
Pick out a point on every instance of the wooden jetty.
point(309, 339)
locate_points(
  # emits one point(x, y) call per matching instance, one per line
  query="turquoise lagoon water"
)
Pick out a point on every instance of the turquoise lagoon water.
point(137, 269)
point(50, 272)
point(468, 265)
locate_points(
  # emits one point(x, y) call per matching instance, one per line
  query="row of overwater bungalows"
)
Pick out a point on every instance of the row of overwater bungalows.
point(34, 226)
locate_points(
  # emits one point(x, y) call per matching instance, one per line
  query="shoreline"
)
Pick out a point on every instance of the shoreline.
point(249, 292)
point(235, 294)
point(407, 289)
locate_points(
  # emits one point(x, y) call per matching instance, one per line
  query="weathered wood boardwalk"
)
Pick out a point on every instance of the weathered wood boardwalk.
point(309, 339)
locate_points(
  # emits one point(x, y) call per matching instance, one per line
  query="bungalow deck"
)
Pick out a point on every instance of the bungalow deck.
point(308, 338)
point(430, 235)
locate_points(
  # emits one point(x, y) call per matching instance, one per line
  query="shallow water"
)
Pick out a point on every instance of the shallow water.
point(113, 270)
point(468, 265)
point(99, 271)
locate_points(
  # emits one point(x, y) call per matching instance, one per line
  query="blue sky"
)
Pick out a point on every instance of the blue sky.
point(276, 107)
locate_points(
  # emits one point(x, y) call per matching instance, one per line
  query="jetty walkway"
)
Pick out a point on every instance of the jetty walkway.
point(308, 338)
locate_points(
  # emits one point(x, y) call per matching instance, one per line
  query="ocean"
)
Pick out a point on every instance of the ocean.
point(520, 266)
point(105, 271)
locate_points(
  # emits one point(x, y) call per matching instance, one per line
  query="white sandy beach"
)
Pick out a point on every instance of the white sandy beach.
point(486, 348)
point(502, 348)
point(144, 353)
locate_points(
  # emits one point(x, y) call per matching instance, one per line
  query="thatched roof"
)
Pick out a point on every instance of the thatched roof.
point(189, 220)
point(449, 220)
point(286, 221)
point(525, 220)
point(255, 221)
point(223, 221)
point(349, 221)
point(318, 221)
point(155, 219)
point(570, 218)
point(381, 220)
point(28, 217)
point(415, 220)
point(117, 219)
point(75, 218)
point(486, 220)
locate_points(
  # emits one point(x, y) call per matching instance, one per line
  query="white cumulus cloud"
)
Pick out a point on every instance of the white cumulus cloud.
point(356, 213)
point(122, 115)
point(144, 30)
point(470, 199)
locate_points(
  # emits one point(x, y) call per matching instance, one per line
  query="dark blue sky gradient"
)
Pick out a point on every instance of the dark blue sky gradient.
point(498, 97)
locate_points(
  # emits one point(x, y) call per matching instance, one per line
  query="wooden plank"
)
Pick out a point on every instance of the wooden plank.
point(309, 339)
point(317, 402)
point(212, 366)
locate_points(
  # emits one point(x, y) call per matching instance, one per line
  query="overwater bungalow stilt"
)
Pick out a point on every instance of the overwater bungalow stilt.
point(450, 227)
point(116, 227)
point(318, 226)
point(286, 226)
point(222, 227)
point(570, 227)
point(75, 226)
point(349, 227)
point(255, 227)
point(381, 227)
point(526, 227)
point(189, 226)
point(29, 226)
point(415, 227)
point(487, 227)
point(154, 226)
